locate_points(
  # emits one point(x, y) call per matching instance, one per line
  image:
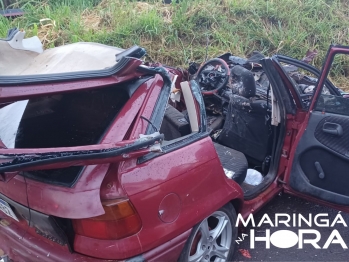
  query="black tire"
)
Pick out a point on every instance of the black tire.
point(196, 241)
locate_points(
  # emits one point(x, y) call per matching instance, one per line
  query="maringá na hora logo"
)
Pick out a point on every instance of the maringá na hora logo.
point(288, 238)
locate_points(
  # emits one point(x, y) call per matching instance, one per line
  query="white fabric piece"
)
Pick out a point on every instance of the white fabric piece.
point(228, 173)
point(253, 177)
point(275, 110)
point(29, 44)
point(175, 96)
point(10, 117)
point(190, 104)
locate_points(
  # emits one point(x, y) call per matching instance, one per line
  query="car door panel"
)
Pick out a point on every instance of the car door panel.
point(339, 126)
point(320, 161)
point(320, 166)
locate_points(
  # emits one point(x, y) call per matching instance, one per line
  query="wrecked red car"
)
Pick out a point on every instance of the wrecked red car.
point(106, 157)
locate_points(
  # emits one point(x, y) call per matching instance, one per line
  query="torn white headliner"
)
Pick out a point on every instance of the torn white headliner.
point(76, 57)
point(10, 117)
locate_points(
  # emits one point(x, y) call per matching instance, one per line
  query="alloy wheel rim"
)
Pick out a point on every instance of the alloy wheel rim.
point(212, 239)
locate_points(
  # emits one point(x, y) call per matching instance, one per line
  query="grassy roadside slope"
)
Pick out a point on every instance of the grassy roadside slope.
point(176, 34)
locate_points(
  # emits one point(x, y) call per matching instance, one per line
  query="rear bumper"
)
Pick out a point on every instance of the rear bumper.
point(18, 245)
point(169, 251)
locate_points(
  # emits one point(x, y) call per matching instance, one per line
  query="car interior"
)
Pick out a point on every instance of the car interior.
point(242, 114)
point(238, 116)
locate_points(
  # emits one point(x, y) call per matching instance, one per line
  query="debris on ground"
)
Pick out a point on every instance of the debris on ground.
point(245, 253)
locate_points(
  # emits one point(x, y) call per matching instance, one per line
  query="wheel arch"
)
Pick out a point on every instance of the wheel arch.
point(237, 204)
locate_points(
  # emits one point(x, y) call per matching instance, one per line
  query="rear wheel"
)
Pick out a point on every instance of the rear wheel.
point(213, 239)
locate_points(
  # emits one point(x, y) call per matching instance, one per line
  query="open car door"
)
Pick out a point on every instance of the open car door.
point(319, 160)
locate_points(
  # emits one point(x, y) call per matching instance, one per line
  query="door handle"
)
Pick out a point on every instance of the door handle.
point(320, 170)
point(332, 128)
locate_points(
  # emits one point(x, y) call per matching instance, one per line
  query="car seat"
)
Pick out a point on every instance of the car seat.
point(247, 126)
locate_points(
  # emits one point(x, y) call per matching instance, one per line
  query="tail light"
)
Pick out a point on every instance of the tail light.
point(119, 221)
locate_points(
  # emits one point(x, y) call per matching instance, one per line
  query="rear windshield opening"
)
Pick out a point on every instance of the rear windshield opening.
point(63, 120)
point(73, 119)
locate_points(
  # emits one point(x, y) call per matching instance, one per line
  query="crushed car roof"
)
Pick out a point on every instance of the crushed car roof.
point(19, 57)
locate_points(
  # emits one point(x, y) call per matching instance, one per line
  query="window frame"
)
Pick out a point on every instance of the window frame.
point(157, 118)
point(327, 65)
point(311, 69)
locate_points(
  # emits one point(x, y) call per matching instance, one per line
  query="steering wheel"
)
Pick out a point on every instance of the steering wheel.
point(212, 76)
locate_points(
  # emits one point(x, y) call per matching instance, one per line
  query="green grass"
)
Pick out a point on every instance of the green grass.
point(176, 34)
